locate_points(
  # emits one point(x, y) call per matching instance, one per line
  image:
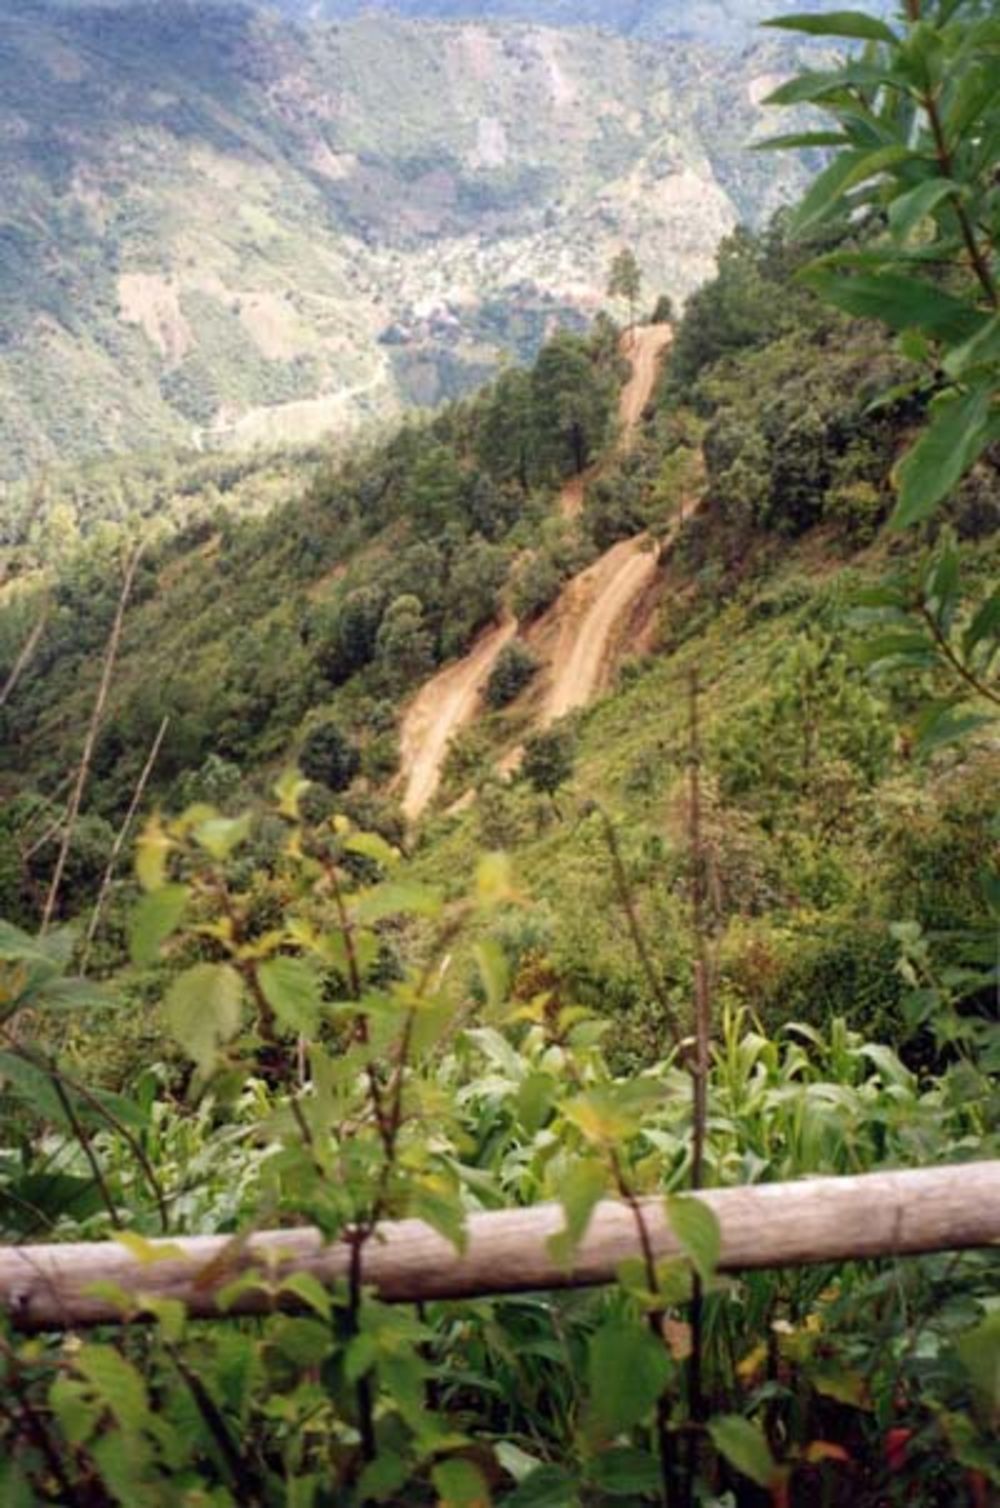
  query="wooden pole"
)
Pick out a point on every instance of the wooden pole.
point(813, 1221)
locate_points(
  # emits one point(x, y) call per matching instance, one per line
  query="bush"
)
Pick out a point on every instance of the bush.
point(536, 586)
point(549, 759)
point(329, 758)
point(516, 666)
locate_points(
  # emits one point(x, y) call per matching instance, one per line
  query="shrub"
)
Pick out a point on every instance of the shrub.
point(329, 757)
point(549, 759)
point(516, 666)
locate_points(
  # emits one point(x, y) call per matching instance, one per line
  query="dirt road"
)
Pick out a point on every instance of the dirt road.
point(593, 606)
point(643, 346)
point(586, 616)
point(444, 705)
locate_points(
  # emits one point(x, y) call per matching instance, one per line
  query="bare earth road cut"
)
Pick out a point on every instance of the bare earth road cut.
point(644, 347)
point(612, 585)
point(588, 612)
point(447, 702)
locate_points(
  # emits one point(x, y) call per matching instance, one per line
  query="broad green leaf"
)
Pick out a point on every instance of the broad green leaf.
point(307, 1342)
point(156, 916)
point(71, 995)
point(579, 1191)
point(292, 990)
point(958, 433)
point(494, 971)
point(546, 1487)
point(33, 1085)
point(203, 1010)
point(310, 1291)
point(116, 1382)
point(221, 836)
point(979, 1353)
point(460, 1484)
point(73, 1407)
point(535, 1099)
point(402, 899)
point(151, 854)
point(494, 880)
point(611, 1112)
point(148, 1252)
point(20, 946)
point(906, 212)
point(372, 846)
point(36, 1202)
point(15, 1489)
point(383, 1479)
point(851, 24)
point(697, 1229)
point(628, 1369)
point(623, 1472)
point(440, 1206)
point(745, 1447)
point(290, 789)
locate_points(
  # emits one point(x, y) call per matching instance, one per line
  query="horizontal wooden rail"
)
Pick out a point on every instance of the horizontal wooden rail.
point(815, 1220)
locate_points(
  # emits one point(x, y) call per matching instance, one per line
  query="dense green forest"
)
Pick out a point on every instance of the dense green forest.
point(732, 923)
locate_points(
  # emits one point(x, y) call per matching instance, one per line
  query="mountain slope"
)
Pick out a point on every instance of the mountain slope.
point(215, 229)
point(729, 22)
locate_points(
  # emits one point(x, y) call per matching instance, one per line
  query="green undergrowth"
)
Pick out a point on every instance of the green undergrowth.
point(822, 840)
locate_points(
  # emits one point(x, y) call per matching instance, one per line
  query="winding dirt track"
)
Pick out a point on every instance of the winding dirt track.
point(585, 616)
point(612, 585)
point(441, 707)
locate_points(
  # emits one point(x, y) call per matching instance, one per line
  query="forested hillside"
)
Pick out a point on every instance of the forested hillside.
point(619, 1122)
point(214, 232)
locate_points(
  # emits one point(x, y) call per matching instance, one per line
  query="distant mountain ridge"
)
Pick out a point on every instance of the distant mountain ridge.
point(730, 23)
point(220, 227)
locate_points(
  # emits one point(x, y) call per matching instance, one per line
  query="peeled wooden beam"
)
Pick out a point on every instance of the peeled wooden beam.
point(763, 1225)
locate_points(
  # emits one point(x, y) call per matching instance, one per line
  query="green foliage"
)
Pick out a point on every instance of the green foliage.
point(572, 399)
point(328, 757)
point(625, 280)
point(916, 120)
point(548, 760)
point(515, 668)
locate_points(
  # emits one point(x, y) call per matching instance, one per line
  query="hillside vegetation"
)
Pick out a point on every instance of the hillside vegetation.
point(728, 926)
point(214, 232)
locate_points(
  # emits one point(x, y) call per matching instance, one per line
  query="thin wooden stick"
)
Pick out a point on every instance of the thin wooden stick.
point(90, 742)
point(119, 843)
point(23, 660)
point(809, 1222)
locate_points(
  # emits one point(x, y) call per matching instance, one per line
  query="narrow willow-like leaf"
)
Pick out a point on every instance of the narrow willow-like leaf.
point(958, 434)
point(902, 302)
point(906, 212)
point(852, 24)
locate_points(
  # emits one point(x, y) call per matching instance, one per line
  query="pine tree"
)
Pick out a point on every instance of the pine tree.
point(625, 281)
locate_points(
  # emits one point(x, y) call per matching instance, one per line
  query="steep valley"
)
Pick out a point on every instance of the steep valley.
point(223, 228)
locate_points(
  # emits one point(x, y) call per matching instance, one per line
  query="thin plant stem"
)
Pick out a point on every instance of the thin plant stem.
point(90, 742)
point(23, 660)
point(119, 843)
